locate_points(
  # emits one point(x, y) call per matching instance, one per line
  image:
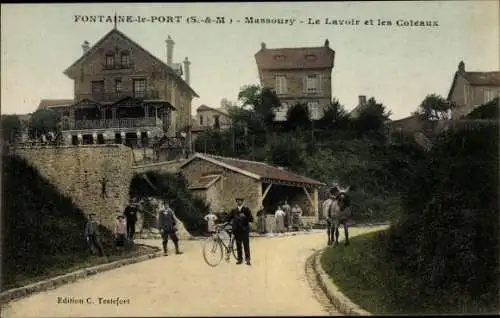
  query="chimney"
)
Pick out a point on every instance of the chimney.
point(461, 67)
point(263, 46)
point(170, 50)
point(362, 99)
point(85, 47)
point(186, 70)
point(327, 43)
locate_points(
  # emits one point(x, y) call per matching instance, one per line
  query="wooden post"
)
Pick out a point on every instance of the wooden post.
point(316, 203)
point(265, 193)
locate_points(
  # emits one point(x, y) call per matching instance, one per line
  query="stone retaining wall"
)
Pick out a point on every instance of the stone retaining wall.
point(79, 172)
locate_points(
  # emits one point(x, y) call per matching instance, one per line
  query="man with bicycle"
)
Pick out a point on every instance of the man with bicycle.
point(241, 217)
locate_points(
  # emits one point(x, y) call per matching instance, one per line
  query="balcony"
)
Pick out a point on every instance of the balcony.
point(115, 96)
point(113, 123)
point(117, 66)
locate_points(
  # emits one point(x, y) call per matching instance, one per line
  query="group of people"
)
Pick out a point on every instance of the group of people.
point(124, 229)
point(287, 217)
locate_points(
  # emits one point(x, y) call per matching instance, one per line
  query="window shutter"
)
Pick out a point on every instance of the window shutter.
point(320, 84)
point(285, 88)
point(304, 84)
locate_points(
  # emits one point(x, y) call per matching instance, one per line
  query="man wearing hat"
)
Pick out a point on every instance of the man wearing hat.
point(241, 217)
point(131, 216)
point(92, 235)
point(167, 226)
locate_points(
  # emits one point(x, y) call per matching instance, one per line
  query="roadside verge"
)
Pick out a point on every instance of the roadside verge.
point(336, 297)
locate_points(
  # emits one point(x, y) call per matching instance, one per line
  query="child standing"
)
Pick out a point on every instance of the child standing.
point(120, 231)
point(210, 218)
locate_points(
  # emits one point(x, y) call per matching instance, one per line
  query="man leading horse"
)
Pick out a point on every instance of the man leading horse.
point(336, 211)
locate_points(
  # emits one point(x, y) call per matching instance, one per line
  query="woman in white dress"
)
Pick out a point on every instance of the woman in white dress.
point(279, 216)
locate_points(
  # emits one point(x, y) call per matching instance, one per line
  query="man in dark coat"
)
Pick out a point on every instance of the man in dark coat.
point(131, 216)
point(92, 235)
point(167, 227)
point(241, 217)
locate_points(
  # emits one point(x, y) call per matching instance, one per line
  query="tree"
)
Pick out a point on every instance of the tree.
point(372, 116)
point(227, 104)
point(298, 117)
point(11, 127)
point(335, 116)
point(262, 101)
point(43, 121)
point(434, 107)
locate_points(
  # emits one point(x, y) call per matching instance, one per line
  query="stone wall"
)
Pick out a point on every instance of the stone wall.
point(79, 171)
point(232, 184)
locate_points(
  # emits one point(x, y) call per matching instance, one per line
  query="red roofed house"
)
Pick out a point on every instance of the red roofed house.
point(124, 94)
point(472, 89)
point(220, 180)
point(298, 75)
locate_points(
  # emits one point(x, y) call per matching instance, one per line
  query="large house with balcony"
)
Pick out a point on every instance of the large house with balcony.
point(470, 90)
point(298, 75)
point(124, 94)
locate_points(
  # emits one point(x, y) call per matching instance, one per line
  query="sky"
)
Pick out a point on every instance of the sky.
point(396, 65)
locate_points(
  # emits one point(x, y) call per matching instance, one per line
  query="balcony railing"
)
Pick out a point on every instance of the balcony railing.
point(117, 66)
point(113, 123)
point(114, 96)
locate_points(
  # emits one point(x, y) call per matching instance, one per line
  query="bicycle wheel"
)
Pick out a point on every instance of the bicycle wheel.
point(212, 252)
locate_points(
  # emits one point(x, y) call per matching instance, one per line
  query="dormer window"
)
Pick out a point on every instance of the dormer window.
point(311, 57)
point(279, 57)
point(125, 60)
point(110, 60)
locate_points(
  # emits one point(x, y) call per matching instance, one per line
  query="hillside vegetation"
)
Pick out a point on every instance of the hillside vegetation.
point(189, 209)
point(336, 148)
point(43, 231)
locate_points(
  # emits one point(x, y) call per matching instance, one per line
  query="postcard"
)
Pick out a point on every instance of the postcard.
point(250, 159)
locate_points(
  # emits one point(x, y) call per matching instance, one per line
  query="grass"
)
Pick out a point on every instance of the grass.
point(70, 263)
point(364, 273)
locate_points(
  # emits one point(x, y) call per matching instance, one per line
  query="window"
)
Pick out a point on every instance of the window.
point(279, 57)
point(280, 84)
point(201, 120)
point(125, 60)
point(311, 57)
point(118, 85)
point(311, 83)
point(314, 111)
point(97, 89)
point(139, 88)
point(110, 60)
point(489, 95)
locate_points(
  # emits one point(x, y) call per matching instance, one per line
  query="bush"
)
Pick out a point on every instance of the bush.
point(188, 209)
point(448, 234)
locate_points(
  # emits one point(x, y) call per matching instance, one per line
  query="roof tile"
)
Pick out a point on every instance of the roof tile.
point(483, 78)
point(49, 103)
point(264, 170)
point(295, 58)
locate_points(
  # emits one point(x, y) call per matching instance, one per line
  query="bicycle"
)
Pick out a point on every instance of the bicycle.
point(215, 246)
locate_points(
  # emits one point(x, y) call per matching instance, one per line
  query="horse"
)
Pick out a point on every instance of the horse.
point(336, 211)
